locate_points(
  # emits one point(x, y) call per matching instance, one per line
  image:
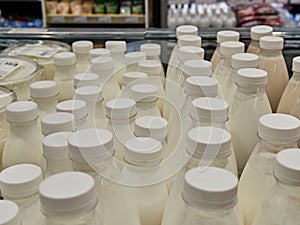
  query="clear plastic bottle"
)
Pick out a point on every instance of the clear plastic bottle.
point(85, 79)
point(272, 61)
point(208, 197)
point(93, 97)
point(276, 132)
point(292, 90)
point(9, 213)
point(281, 206)
point(256, 33)
point(79, 109)
point(222, 36)
point(56, 153)
point(44, 93)
point(104, 67)
point(81, 49)
point(143, 156)
point(69, 198)
point(65, 69)
point(24, 141)
point(20, 184)
point(132, 59)
point(58, 122)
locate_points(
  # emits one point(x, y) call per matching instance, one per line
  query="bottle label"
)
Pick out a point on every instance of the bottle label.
point(7, 66)
point(40, 51)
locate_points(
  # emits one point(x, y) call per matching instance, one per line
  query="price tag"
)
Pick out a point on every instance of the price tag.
point(104, 19)
point(80, 19)
point(58, 19)
point(132, 19)
point(7, 66)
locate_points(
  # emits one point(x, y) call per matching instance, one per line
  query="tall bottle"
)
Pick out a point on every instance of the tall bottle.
point(272, 61)
point(64, 201)
point(276, 132)
point(9, 213)
point(20, 184)
point(222, 36)
point(292, 90)
point(85, 79)
point(143, 156)
point(65, 69)
point(208, 197)
point(24, 141)
point(249, 103)
point(56, 153)
point(281, 206)
point(256, 33)
point(132, 59)
point(81, 49)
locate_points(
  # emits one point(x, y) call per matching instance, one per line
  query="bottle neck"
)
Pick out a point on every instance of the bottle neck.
point(25, 201)
point(296, 76)
point(274, 148)
point(56, 166)
point(202, 122)
point(66, 71)
point(22, 128)
point(288, 190)
point(226, 60)
point(251, 90)
point(255, 43)
point(155, 57)
point(146, 104)
point(82, 58)
point(270, 53)
point(92, 107)
point(118, 58)
point(46, 104)
point(199, 160)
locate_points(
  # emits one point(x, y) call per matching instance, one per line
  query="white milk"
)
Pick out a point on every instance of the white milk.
point(9, 213)
point(152, 51)
point(82, 49)
point(132, 59)
point(256, 33)
point(132, 78)
point(85, 79)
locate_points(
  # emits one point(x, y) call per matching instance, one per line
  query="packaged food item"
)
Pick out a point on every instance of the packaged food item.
point(99, 6)
point(51, 7)
point(76, 7)
point(112, 6)
point(87, 7)
point(63, 7)
point(137, 7)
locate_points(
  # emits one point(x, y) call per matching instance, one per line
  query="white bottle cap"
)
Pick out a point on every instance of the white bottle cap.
point(134, 57)
point(85, 79)
point(116, 46)
point(55, 146)
point(296, 64)
point(9, 213)
point(207, 108)
point(151, 126)
point(99, 52)
point(22, 111)
point(227, 35)
point(101, 64)
point(211, 188)
point(64, 59)
point(190, 52)
point(82, 47)
point(77, 107)
point(57, 122)
point(151, 49)
point(143, 151)
point(244, 60)
point(91, 145)
point(201, 86)
point(271, 43)
point(20, 181)
point(279, 128)
point(89, 94)
point(151, 67)
point(229, 48)
point(250, 77)
point(197, 67)
point(144, 92)
point(189, 40)
point(186, 30)
point(130, 77)
point(68, 194)
point(120, 108)
point(287, 168)
point(259, 31)
point(43, 89)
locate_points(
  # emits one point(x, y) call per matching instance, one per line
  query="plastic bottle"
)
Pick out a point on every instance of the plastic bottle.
point(81, 49)
point(292, 90)
point(272, 61)
point(276, 132)
point(85, 79)
point(132, 59)
point(143, 156)
point(172, 17)
point(56, 153)
point(96, 53)
point(9, 213)
point(131, 78)
point(93, 97)
point(79, 109)
point(65, 69)
point(222, 36)
point(69, 198)
point(152, 51)
point(256, 33)
point(20, 183)
point(208, 197)
point(24, 141)
point(44, 94)
point(281, 206)
point(249, 103)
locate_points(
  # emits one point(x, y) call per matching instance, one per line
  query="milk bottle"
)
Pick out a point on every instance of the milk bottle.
point(132, 59)
point(9, 213)
point(85, 79)
point(81, 49)
point(276, 132)
point(249, 103)
point(256, 33)
point(152, 51)
point(98, 52)
point(129, 79)
point(272, 61)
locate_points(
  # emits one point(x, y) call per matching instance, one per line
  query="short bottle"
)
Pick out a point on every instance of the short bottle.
point(85, 79)
point(81, 49)
point(132, 59)
point(64, 201)
point(9, 213)
point(276, 132)
point(65, 69)
point(256, 33)
point(272, 61)
point(20, 184)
